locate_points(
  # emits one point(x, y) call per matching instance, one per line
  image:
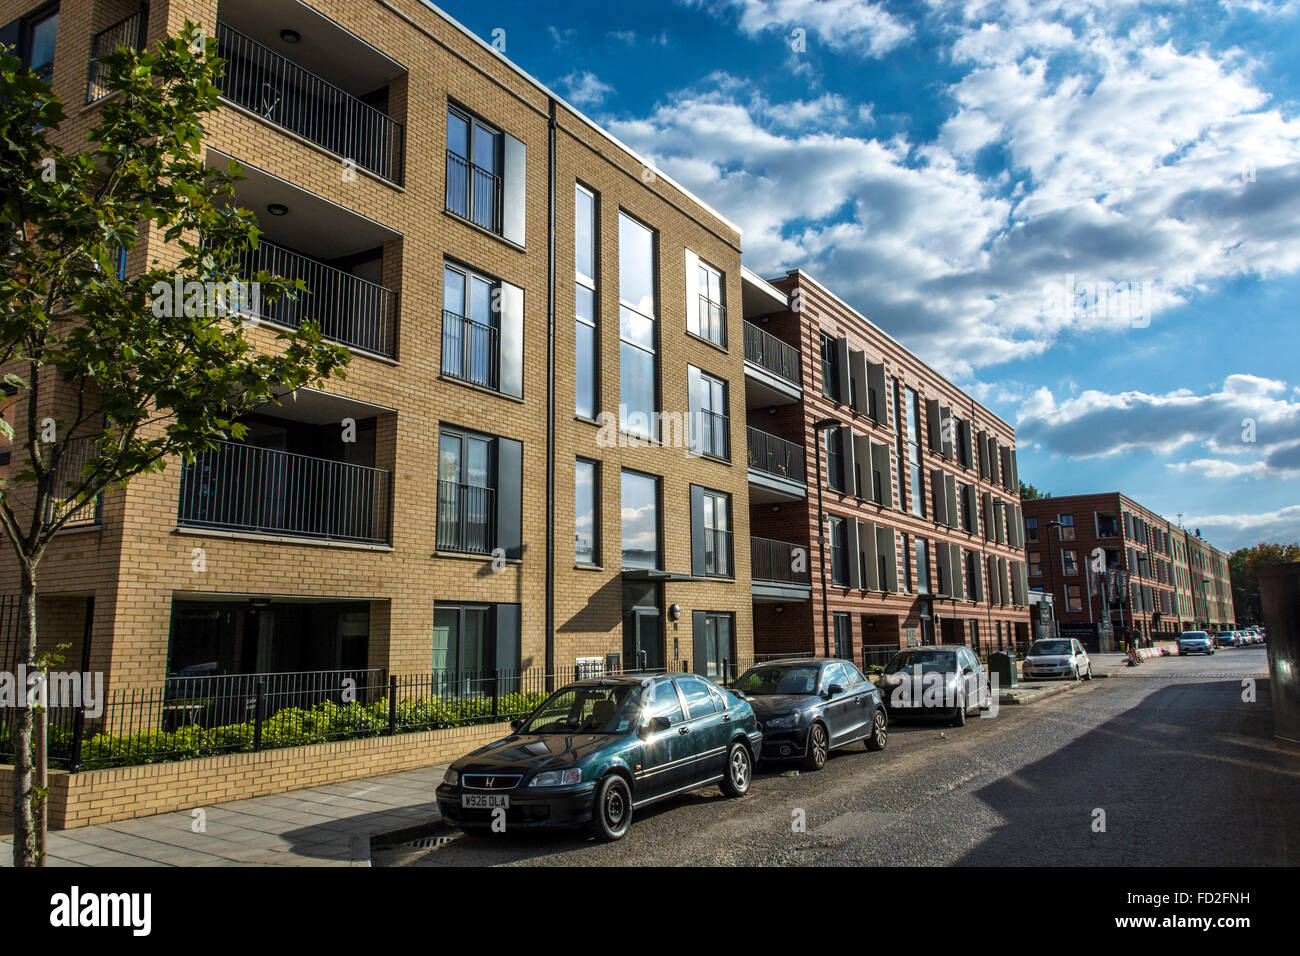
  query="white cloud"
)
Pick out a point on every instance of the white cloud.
point(584, 89)
point(1244, 529)
point(840, 24)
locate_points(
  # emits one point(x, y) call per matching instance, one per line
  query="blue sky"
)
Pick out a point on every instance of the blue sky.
point(951, 168)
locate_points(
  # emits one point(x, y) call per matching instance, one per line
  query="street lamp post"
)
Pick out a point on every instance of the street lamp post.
point(818, 428)
point(1051, 576)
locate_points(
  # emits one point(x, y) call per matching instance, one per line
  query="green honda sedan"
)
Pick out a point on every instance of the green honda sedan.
point(598, 749)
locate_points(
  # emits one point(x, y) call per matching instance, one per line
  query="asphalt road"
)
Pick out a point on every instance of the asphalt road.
point(1182, 768)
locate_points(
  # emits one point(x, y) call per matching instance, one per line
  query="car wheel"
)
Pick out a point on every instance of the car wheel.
point(612, 814)
point(959, 716)
point(739, 771)
point(1088, 676)
point(818, 747)
point(879, 731)
point(1075, 673)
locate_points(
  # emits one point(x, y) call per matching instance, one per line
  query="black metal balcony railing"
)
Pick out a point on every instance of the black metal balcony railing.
point(769, 352)
point(265, 491)
point(778, 562)
point(717, 553)
point(128, 32)
point(775, 456)
point(280, 91)
point(73, 456)
point(712, 434)
point(471, 350)
point(713, 321)
point(349, 309)
point(473, 192)
point(466, 517)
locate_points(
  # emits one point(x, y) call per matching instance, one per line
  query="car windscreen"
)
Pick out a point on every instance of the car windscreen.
point(1042, 648)
point(930, 662)
point(790, 679)
point(592, 710)
point(1195, 636)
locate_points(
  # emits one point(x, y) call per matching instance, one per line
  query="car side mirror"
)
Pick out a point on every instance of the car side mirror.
point(516, 724)
point(834, 690)
point(968, 670)
point(653, 726)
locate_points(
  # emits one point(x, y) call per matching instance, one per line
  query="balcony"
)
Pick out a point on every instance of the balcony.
point(349, 309)
point(128, 32)
point(470, 351)
point(288, 94)
point(711, 434)
point(473, 192)
point(779, 570)
point(466, 518)
point(717, 553)
point(241, 487)
point(776, 468)
point(772, 375)
point(69, 469)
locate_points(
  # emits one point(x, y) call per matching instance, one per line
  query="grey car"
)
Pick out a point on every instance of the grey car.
point(940, 680)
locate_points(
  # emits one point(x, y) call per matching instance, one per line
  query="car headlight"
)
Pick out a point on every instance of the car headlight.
point(557, 778)
point(783, 722)
point(451, 778)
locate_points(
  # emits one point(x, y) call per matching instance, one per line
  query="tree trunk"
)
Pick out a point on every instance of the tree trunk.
point(24, 818)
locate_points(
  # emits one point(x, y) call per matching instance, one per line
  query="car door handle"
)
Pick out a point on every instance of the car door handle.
point(726, 718)
point(683, 730)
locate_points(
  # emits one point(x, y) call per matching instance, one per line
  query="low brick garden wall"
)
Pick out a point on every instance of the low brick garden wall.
point(123, 793)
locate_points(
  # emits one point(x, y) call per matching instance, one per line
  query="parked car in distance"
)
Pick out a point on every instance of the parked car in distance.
point(808, 707)
point(1194, 642)
point(1062, 657)
point(958, 677)
point(1227, 638)
point(597, 750)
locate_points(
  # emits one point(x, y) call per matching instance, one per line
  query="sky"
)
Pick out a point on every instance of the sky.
point(1086, 214)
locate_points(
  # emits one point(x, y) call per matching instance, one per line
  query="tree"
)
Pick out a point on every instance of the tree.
point(1030, 493)
point(107, 384)
point(1243, 571)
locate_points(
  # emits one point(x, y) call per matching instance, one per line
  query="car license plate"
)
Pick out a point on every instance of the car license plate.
point(484, 801)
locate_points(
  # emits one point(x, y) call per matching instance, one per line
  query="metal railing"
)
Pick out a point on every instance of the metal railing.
point(281, 92)
point(349, 309)
point(769, 352)
point(778, 562)
point(711, 434)
point(717, 553)
point(471, 350)
point(128, 32)
point(713, 321)
point(473, 192)
point(466, 517)
point(265, 491)
point(73, 456)
point(209, 700)
point(774, 456)
point(877, 655)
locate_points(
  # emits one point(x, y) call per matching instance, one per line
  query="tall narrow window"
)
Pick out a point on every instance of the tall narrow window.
point(586, 361)
point(466, 502)
point(37, 45)
point(710, 427)
point(636, 293)
point(640, 506)
point(830, 368)
point(712, 535)
point(914, 452)
point(707, 316)
point(470, 327)
point(585, 509)
point(922, 566)
point(473, 170)
point(898, 440)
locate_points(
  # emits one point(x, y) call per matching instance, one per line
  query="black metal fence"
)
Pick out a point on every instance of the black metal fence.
point(775, 456)
point(348, 308)
point(778, 562)
point(70, 462)
point(128, 32)
point(279, 90)
point(473, 193)
point(470, 350)
point(245, 488)
point(768, 352)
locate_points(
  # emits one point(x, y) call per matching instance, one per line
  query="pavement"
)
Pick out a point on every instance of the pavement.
point(322, 826)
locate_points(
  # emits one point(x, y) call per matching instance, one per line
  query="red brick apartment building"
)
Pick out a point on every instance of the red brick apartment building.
point(918, 484)
point(409, 174)
point(1175, 580)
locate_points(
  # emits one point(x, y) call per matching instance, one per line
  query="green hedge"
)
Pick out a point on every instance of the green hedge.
point(291, 727)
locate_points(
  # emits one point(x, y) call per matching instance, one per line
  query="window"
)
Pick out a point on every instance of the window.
point(907, 565)
point(1073, 597)
point(1069, 562)
point(34, 36)
point(964, 504)
point(1035, 564)
point(636, 293)
point(834, 459)
point(706, 316)
point(479, 493)
point(972, 575)
point(470, 640)
point(1031, 529)
point(922, 566)
point(699, 702)
point(586, 495)
point(470, 327)
point(640, 503)
point(898, 440)
point(914, 452)
point(714, 655)
point(1107, 524)
point(586, 357)
point(830, 368)
point(709, 424)
point(662, 701)
point(839, 556)
point(474, 160)
point(1067, 527)
point(710, 533)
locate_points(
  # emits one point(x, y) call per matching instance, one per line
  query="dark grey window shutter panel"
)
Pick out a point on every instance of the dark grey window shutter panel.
point(848, 469)
point(984, 453)
point(851, 557)
point(694, 429)
point(842, 363)
point(512, 340)
point(697, 530)
point(507, 637)
point(876, 382)
point(859, 397)
point(514, 189)
point(932, 422)
point(699, 646)
point(510, 496)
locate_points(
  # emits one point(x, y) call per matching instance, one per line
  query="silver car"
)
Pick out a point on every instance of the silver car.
point(1194, 642)
point(1062, 657)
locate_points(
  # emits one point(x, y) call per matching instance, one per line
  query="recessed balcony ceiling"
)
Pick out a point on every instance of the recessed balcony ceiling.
point(312, 407)
point(323, 47)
